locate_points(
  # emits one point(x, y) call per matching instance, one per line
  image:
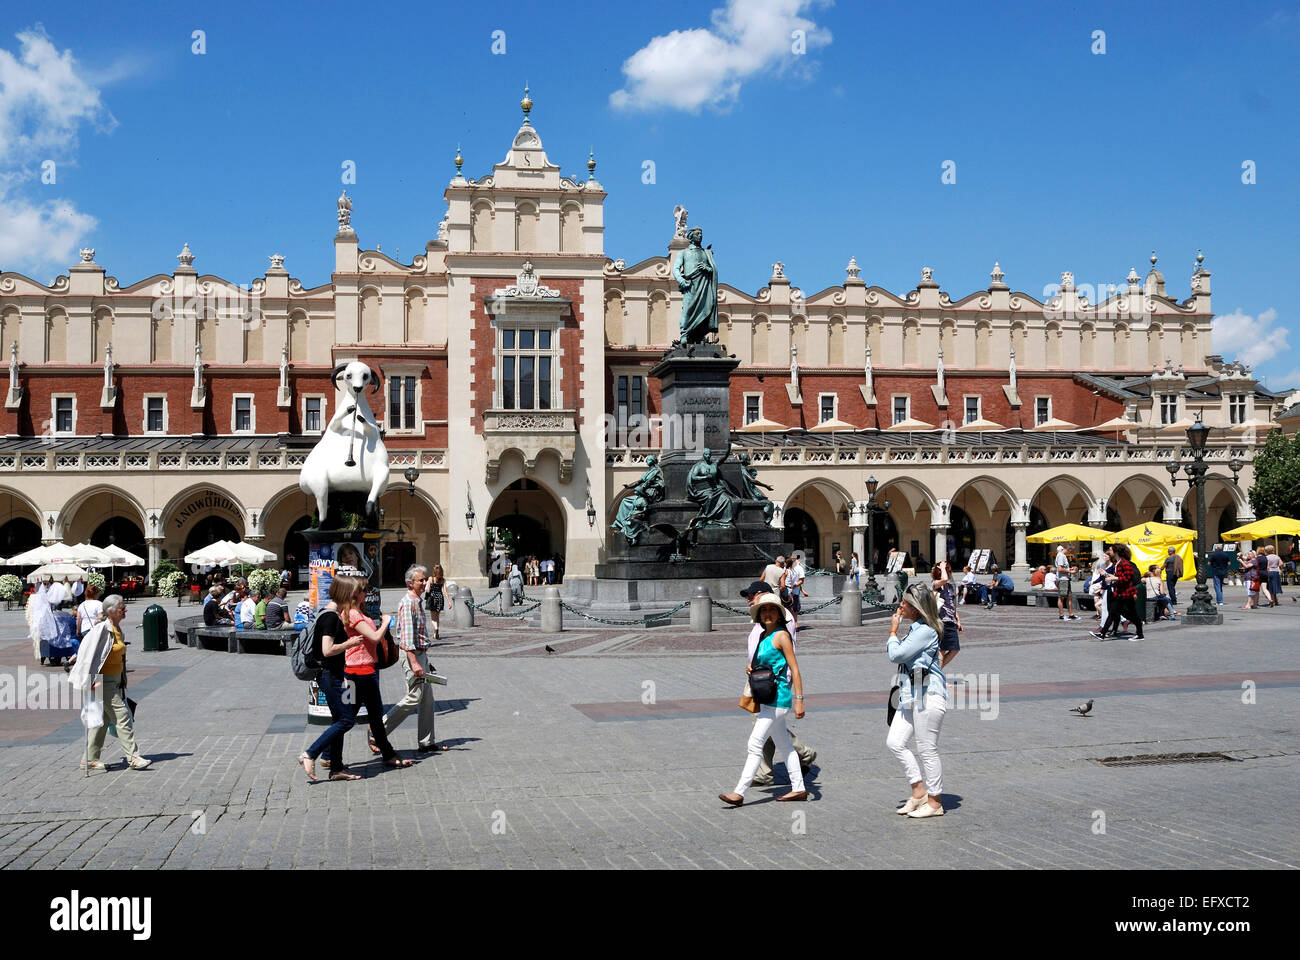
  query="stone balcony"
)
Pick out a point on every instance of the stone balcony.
point(530, 433)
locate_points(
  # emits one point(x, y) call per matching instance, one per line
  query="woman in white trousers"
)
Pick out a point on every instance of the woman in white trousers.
point(922, 700)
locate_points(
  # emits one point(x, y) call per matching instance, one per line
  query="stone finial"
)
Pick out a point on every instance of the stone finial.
point(443, 226)
point(852, 270)
point(996, 275)
point(87, 254)
point(1134, 281)
point(778, 271)
point(927, 275)
point(1067, 281)
point(186, 257)
point(277, 261)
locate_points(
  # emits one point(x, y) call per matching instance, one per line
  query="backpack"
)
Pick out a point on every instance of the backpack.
point(303, 656)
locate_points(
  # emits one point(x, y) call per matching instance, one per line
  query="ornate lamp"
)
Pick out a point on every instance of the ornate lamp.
point(411, 474)
point(591, 511)
point(1203, 611)
point(469, 515)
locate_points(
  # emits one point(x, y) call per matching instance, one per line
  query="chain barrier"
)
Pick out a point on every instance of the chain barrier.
point(642, 622)
point(730, 609)
point(522, 611)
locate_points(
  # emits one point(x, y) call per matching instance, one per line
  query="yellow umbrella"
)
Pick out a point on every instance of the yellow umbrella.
point(1153, 535)
point(1068, 533)
point(1268, 527)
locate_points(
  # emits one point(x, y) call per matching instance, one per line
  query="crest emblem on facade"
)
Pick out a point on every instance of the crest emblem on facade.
point(527, 285)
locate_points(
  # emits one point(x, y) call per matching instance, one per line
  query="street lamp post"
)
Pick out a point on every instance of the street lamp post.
point(871, 508)
point(1203, 611)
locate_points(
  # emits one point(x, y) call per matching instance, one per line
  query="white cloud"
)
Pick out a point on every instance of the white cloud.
point(45, 98)
point(1250, 340)
point(688, 69)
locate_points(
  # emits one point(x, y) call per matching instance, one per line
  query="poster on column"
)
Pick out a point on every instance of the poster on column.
point(324, 561)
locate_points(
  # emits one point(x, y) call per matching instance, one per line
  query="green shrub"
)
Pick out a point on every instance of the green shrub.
point(11, 587)
point(163, 569)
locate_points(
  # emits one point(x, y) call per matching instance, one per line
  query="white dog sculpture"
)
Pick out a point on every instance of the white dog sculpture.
point(350, 454)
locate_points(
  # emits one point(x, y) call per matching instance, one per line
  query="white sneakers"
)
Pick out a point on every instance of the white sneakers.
point(912, 803)
point(138, 763)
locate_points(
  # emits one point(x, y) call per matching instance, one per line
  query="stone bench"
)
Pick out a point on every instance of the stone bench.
point(243, 641)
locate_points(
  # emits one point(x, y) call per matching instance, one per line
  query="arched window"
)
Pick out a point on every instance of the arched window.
point(298, 329)
point(983, 343)
point(103, 334)
point(571, 229)
point(759, 341)
point(526, 226)
point(911, 343)
point(1087, 342)
point(613, 318)
point(369, 331)
point(56, 337)
point(659, 333)
point(414, 329)
point(835, 342)
point(480, 235)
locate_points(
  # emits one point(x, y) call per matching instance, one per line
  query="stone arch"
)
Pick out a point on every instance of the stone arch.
point(1133, 499)
point(102, 333)
point(799, 337)
point(948, 340)
point(875, 337)
point(191, 505)
point(72, 523)
point(912, 505)
point(659, 333)
point(481, 217)
point(56, 336)
point(22, 526)
point(369, 329)
point(1188, 351)
point(1076, 488)
point(991, 505)
point(1019, 337)
point(254, 344)
point(418, 520)
point(527, 220)
point(11, 319)
point(533, 511)
point(823, 502)
point(205, 329)
point(1155, 345)
point(614, 306)
point(571, 228)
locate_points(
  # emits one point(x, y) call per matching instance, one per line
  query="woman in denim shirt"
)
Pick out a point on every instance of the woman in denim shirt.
point(922, 699)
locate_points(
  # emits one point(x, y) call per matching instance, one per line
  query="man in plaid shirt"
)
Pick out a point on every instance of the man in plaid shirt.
point(1124, 600)
point(411, 633)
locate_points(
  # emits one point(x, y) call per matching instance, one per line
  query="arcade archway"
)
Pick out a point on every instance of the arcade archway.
point(525, 520)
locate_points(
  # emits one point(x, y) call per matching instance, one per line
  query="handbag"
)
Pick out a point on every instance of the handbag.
point(762, 682)
point(747, 700)
point(891, 704)
point(385, 652)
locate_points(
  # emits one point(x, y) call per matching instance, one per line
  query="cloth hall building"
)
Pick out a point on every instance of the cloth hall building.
point(513, 357)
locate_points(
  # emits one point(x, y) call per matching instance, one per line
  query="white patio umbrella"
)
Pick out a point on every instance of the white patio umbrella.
point(51, 553)
point(251, 554)
point(90, 555)
point(217, 554)
point(57, 571)
point(117, 557)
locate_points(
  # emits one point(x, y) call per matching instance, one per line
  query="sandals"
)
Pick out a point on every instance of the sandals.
point(344, 774)
point(370, 742)
point(396, 761)
point(308, 766)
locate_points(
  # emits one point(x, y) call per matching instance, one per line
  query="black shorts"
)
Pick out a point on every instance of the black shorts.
point(795, 606)
point(949, 641)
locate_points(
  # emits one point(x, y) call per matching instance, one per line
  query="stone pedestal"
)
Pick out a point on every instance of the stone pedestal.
point(696, 416)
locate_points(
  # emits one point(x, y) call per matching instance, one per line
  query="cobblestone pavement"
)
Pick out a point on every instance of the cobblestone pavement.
point(611, 751)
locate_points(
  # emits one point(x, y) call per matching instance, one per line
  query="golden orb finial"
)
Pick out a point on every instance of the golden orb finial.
point(526, 103)
point(459, 160)
point(591, 163)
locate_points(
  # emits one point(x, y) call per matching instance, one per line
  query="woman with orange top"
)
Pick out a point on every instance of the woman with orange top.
point(360, 663)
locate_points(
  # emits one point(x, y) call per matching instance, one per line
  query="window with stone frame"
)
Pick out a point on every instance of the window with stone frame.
point(826, 405)
point(1237, 409)
point(1168, 408)
point(1042, 410)
point(64, 414)
point(972, 409)
point(155, 414)
point(630, 396)
point(403, 410)
point(901, 405)
point(753, 407)
point(527, 362)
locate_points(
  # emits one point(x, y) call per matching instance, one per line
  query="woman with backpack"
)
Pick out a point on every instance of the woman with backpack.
point(330, 644)
point(1123, 602)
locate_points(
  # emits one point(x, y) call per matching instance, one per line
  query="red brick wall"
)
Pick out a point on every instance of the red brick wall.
point(483, 339)
point(1070, 401)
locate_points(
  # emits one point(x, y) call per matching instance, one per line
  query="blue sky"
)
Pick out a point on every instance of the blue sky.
point(1065, 159)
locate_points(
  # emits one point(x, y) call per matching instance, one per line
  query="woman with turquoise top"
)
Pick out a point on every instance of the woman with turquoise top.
point(775, 651)
point(922, 699)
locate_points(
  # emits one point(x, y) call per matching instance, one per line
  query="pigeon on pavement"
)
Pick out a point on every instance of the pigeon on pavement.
point(549, 648)
point(1082, 709)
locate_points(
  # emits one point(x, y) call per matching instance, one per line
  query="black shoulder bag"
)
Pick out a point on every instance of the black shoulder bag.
point(762, 681)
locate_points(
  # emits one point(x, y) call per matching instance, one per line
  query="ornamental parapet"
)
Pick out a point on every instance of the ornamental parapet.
point(530, 433)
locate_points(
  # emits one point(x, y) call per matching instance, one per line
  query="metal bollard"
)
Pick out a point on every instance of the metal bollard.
point(552, 614)
point(464, 604)
point(701, 610)
point(850, 604)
